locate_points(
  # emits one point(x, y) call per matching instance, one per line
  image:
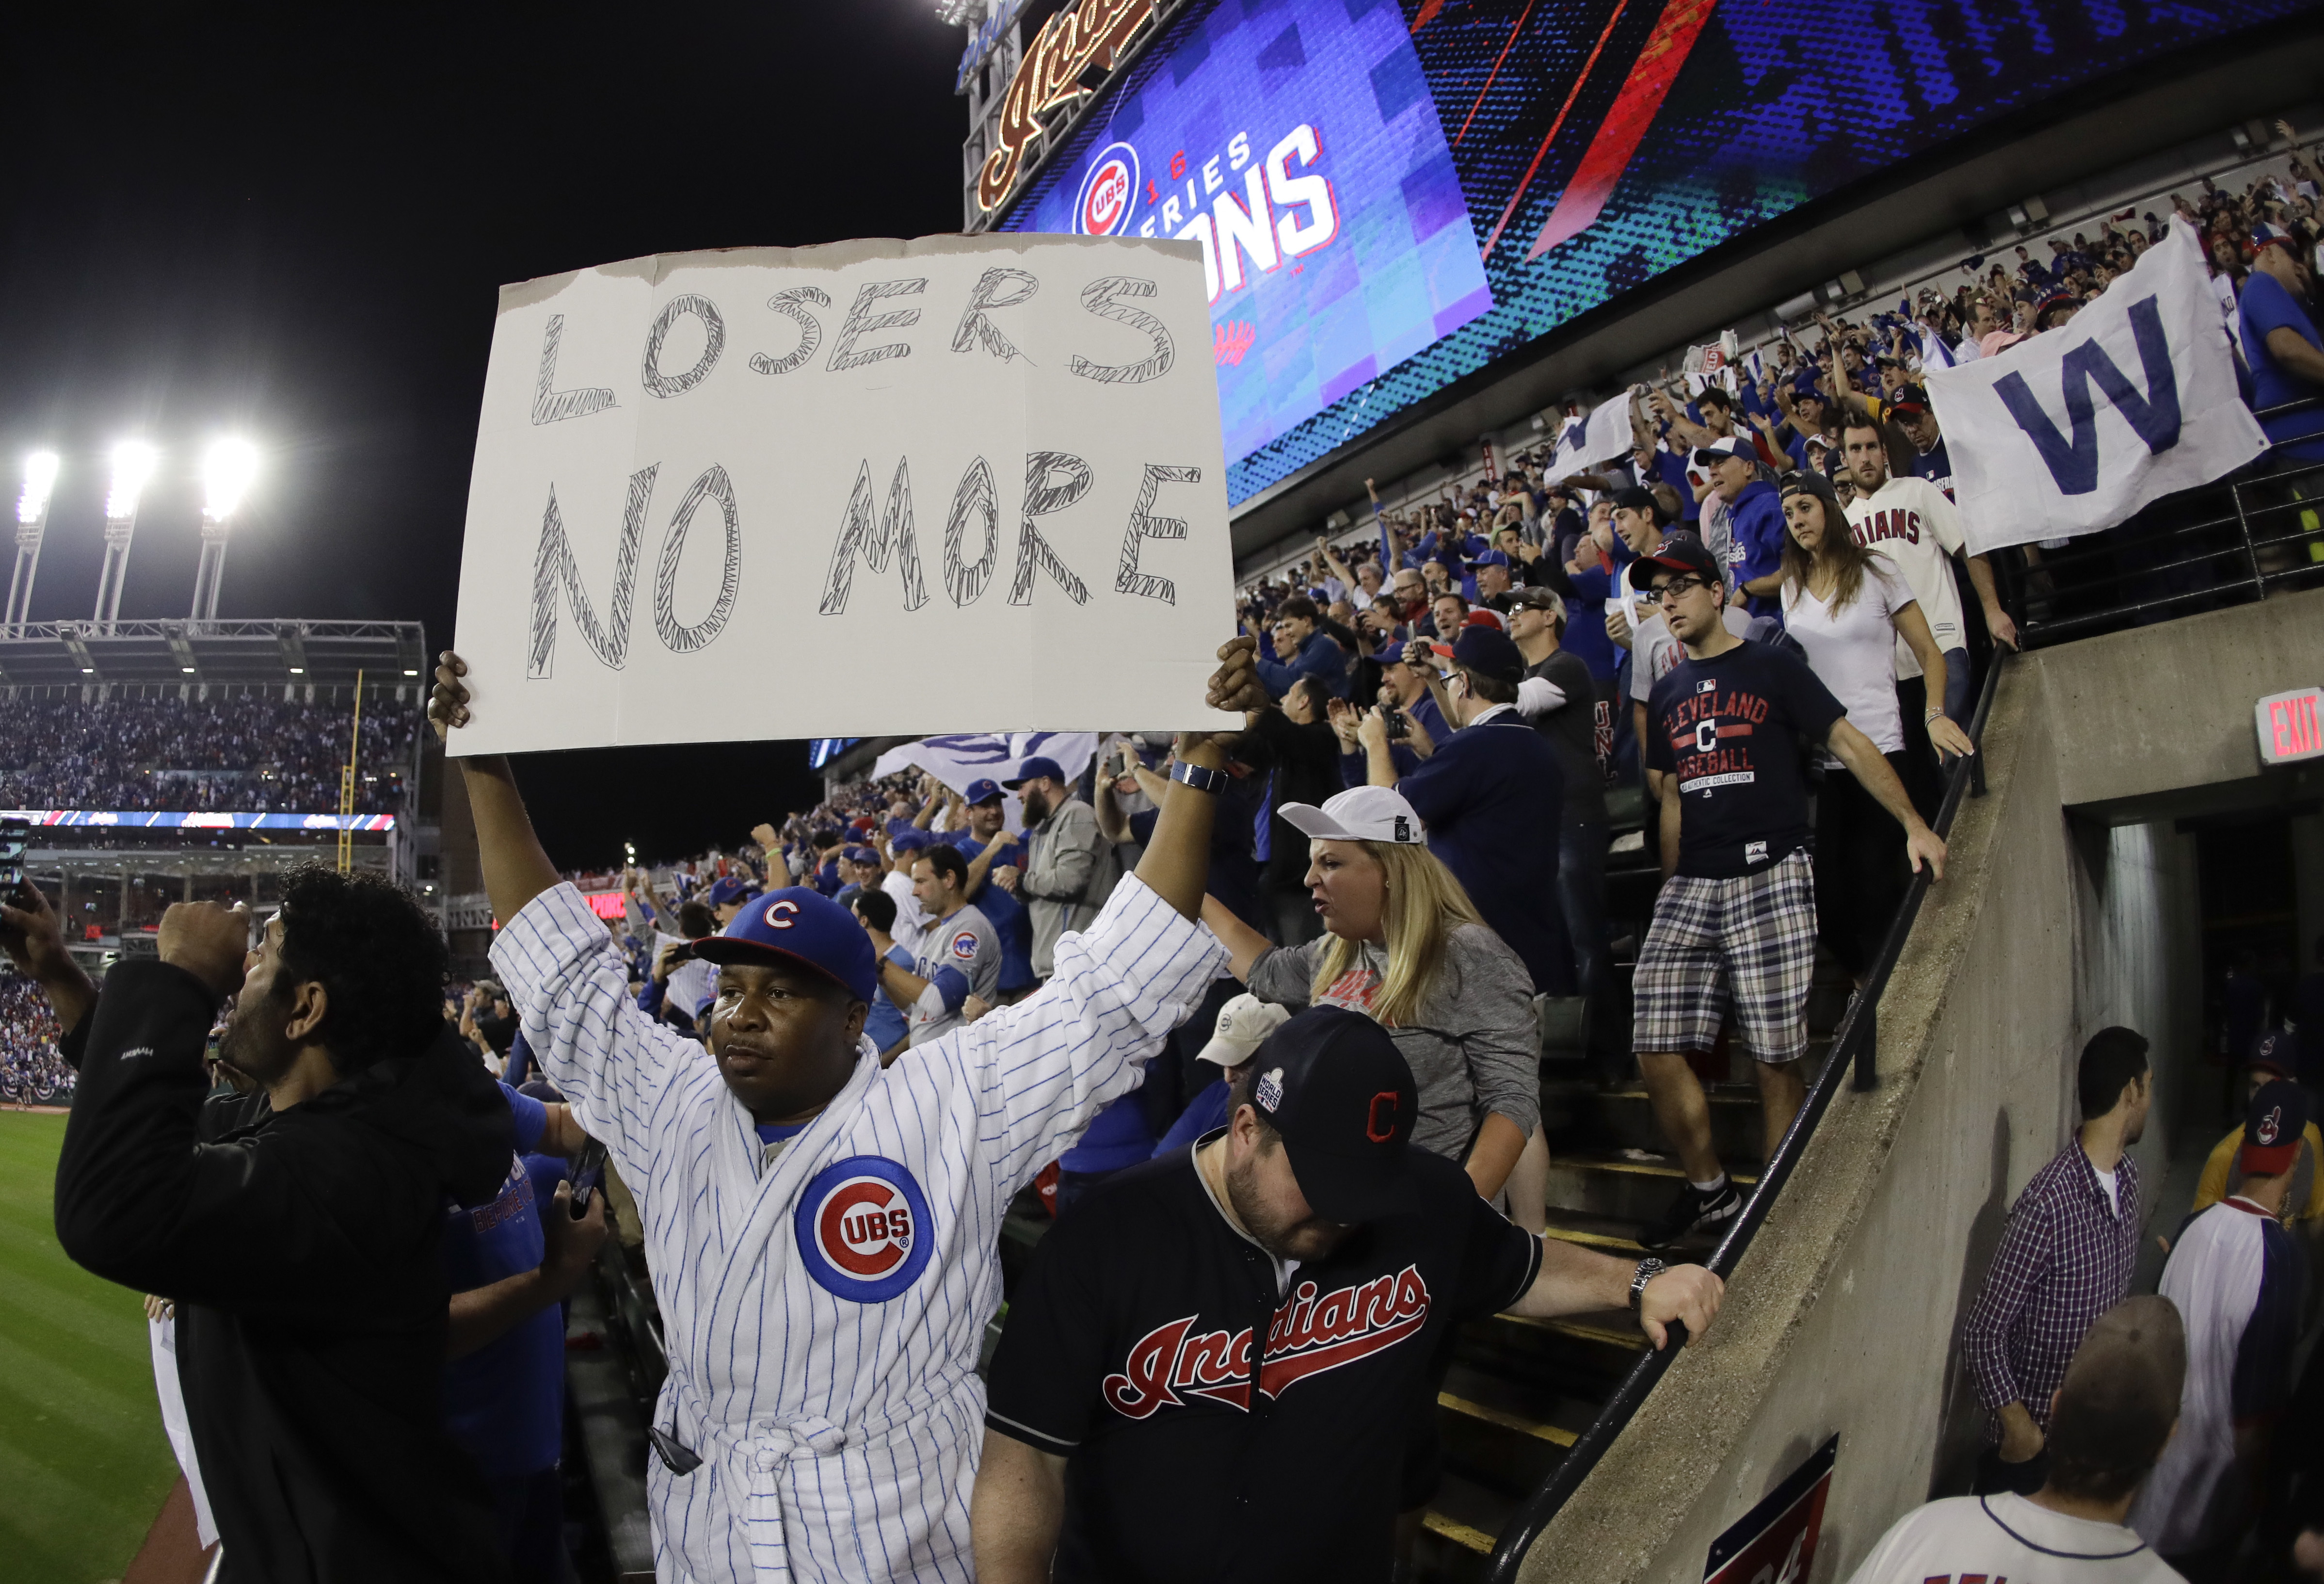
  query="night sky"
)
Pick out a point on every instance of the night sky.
point(234, 219)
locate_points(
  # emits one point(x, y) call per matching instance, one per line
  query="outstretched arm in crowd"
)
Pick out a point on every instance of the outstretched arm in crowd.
point(35, 942)
point(516, 867)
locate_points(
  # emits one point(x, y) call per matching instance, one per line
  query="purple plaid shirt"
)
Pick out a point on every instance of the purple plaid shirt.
point(2065, 1259)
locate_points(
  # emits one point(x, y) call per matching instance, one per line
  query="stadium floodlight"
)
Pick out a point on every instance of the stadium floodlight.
point(40, 483)
point(32, 526)
point(134, 462)
point(226, 472)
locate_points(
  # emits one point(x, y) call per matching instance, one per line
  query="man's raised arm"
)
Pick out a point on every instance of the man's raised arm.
point(516, 868)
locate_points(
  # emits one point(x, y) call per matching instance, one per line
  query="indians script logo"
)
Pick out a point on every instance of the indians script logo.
point(1309, 1336)
point(1108, 192)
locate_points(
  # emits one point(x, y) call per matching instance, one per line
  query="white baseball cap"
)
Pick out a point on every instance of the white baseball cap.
point(1360, 813)
point(1243, 1023)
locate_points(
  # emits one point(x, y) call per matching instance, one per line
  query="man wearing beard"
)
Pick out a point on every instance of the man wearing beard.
point(297, 1229)
point(1069, 869)
point(1207, 1370)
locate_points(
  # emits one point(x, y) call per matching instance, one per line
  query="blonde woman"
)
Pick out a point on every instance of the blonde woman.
point(1404, 945)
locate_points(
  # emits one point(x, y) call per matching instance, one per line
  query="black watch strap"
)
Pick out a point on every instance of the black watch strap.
point(1199, 778)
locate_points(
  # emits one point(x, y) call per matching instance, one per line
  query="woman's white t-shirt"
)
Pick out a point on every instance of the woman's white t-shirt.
point(1852, 650)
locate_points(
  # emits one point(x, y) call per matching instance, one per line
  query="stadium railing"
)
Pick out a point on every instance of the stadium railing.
point(2220, 544)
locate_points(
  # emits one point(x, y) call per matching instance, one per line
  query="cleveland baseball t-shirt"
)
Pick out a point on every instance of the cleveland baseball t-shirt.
point(1731, 728)
point(1227, 1416)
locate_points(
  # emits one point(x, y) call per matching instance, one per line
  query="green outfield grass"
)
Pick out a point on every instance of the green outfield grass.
point(83, 1462)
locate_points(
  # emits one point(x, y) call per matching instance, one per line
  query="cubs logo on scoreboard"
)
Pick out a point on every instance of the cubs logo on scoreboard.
point(863, 1228)
point(1108, 192)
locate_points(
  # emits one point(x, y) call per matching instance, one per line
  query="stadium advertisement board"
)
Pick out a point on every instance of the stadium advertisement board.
point(179, 819)
point(1391, 194)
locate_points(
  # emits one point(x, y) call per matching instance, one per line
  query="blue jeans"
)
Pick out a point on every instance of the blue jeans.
point(1581, 898)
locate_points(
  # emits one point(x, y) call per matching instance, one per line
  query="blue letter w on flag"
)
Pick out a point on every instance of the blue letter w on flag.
point(2073, 461)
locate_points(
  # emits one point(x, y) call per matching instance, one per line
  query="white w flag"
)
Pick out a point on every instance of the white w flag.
point(2076, 428)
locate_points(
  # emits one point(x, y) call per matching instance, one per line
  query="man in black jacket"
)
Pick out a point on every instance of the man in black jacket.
point(301, 1243)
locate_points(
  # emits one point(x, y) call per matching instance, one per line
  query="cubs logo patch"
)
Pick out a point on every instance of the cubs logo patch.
point(1108, 192)
point(964, 945)
point(780, 915)
point(862, 1230)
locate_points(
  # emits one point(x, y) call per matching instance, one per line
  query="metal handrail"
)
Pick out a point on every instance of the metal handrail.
point(2243, 532)
point(1854, 1050)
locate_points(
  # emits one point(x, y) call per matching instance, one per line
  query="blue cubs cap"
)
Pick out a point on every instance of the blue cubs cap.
point(1333, 1084)
point(910, 841)
point(861, 855)
point(1390, 653)
point(1488, 652)
point(1492, 558)
point(1033, 769)
point(730, 889)
point(984, 792)
point(806, 926)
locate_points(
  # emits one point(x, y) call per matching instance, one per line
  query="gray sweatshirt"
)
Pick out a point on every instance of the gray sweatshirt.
point(1474, 1050)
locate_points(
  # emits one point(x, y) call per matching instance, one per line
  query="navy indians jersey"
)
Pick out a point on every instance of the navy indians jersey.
point(1226, 1415)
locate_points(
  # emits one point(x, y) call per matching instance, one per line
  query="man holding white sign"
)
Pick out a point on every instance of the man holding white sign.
point(821, 1230)
point(998, 446)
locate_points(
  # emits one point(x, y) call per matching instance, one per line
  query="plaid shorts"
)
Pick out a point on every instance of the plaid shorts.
point(1750, 940)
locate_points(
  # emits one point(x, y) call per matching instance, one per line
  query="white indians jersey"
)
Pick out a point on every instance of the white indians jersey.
point(1911, 522)
point(823, 1312)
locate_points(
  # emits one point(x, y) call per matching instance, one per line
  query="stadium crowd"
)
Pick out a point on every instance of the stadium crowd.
point(31, 1071)
point(1723, 644)
point(246, 753)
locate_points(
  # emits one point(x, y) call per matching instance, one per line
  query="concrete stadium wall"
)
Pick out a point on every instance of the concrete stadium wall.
point(1844, 1315)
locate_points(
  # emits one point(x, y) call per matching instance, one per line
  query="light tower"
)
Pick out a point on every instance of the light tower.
point(133, 465)
point(227, 473)
point(32, 524)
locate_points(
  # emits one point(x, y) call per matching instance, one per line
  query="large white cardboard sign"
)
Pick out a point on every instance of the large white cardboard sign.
point(878, 487)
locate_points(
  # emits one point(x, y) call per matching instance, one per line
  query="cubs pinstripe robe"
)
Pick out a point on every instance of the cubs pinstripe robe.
point(823, 1312)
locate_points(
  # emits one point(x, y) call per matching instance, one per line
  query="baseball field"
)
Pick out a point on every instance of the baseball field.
point(83, 1462)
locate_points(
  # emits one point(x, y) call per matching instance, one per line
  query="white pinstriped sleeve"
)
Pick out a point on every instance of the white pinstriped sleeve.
point(1044, 1067)
point(610, 1061)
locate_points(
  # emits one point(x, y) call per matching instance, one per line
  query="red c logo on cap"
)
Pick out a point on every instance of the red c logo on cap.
point(1376, 1130)
point(778, 914)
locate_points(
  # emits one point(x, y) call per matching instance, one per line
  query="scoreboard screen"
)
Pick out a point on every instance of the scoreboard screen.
point(1390, 194)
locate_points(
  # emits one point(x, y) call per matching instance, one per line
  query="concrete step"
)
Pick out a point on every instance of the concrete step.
point(1632, 1186)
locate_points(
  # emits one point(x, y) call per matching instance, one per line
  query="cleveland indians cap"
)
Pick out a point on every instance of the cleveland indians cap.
point(2274, 1123)
point(1360, 813)
point(806, 926)
point(1490, 653)
point(1681, 552)
point(1334, 1084)
point(2274, 1051)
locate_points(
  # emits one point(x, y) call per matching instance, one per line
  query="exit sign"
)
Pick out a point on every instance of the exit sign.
point(2292, 726)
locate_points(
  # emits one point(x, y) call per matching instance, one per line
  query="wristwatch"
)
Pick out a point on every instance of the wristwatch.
point(1199, 778)
point(1648, 1269)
